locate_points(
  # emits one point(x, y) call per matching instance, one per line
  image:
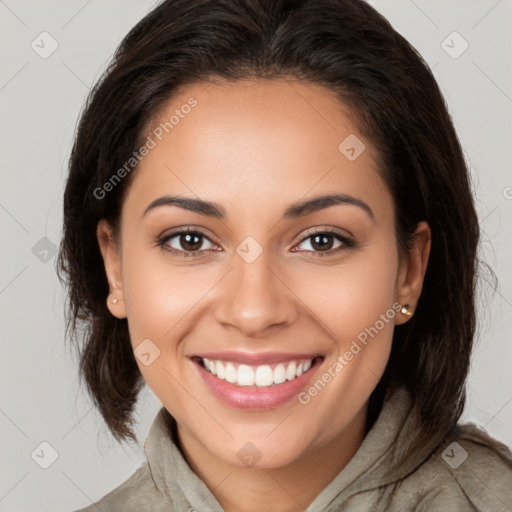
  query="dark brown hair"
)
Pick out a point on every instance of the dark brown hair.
point(346, 46)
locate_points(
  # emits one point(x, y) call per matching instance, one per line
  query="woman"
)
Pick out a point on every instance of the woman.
point(268, 220)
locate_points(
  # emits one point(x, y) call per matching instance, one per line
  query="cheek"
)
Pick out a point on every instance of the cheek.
point(350, 296)
point(158, 298)
point(159, 295)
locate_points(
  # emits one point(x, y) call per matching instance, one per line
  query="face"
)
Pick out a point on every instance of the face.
point(270, 320)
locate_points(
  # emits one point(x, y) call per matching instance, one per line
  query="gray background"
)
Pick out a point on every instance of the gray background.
point(40, 99)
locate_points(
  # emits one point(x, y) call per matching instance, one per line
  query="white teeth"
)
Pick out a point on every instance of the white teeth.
point(245, 375)
point(220, 370)
point(290, 371)
point(279, 374)
point(231, 375)
point(210, 365)
point(261, 376)
point(264, 376)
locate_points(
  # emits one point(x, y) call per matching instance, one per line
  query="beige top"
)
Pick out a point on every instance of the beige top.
point(464, 470)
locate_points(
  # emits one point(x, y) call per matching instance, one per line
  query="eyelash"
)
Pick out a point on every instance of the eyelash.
point(347, 242)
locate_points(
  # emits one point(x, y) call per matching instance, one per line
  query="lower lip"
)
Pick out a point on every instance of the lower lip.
point(246, 397)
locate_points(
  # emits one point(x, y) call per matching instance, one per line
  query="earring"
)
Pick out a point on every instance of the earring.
point(406, 311)
point(115, 301)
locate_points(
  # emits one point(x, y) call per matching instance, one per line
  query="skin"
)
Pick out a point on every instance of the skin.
point(255, 147)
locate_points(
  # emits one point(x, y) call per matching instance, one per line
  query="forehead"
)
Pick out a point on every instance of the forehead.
point(247, 141)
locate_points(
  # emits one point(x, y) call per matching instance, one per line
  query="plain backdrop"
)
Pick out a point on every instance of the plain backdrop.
point(40, 100)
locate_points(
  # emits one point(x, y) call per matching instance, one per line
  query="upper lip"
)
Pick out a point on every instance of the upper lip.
point(251, 358)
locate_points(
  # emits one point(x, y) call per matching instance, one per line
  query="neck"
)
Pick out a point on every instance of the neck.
point(288, 489)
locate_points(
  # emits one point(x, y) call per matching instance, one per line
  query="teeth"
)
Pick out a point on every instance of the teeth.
point(245, 375)
point(231, 375)
point(279, 374)
point(261, 376)
point(264, 376)
point(290, 371)
point(221, 374)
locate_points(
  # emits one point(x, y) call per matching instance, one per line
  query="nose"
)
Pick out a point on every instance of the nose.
point(254, 298)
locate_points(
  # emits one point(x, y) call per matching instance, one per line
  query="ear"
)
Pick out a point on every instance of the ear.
point(112, 261)
point(412, 269)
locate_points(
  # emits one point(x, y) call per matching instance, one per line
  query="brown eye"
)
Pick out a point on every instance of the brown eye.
point(326, 243)
point(322, 242)
point(189, 241)
point(185, 243)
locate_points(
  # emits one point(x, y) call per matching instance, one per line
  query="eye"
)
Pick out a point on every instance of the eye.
point(324, 242)
point(185, 243)
point(190, 243)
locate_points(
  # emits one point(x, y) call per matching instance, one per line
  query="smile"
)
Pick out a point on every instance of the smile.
point(261, 376)
point(256, 381)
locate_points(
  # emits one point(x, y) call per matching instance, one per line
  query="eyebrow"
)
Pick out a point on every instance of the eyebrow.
point(294, 211)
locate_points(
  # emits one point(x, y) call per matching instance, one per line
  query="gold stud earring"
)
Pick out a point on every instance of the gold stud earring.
point(406, 311)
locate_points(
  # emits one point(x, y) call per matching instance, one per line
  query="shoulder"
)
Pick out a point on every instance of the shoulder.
point(136, 494)
point(469, 470)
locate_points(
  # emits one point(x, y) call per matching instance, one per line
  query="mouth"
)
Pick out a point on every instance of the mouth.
point(260, 376)
point(256, 381)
